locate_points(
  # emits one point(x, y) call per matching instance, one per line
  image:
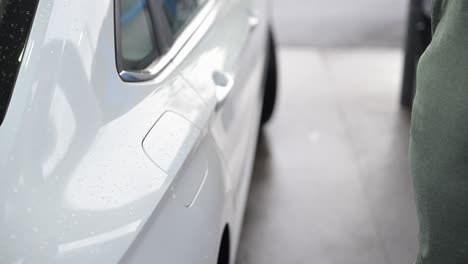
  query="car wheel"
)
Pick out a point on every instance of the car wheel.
point(270, 81)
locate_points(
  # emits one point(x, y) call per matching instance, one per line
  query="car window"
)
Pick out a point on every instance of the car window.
point(16, 18)
point(179, 12)
point(138, 45)
point(146, 29)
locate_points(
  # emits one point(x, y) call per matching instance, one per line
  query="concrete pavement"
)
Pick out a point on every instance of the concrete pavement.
point(331, 183)
point(340, 23)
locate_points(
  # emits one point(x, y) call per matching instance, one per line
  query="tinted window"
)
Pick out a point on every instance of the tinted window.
point(138, 45)
point(179, 12)
point(16, 17)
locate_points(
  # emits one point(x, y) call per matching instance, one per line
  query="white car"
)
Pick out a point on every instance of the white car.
point(129, 127)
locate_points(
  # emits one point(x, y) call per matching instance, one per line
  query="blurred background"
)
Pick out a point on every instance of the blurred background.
point(331, 181)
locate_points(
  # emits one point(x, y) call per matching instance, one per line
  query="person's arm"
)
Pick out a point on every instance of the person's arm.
point(439, 138)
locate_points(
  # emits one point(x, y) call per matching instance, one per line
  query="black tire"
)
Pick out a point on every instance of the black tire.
point(270, 81)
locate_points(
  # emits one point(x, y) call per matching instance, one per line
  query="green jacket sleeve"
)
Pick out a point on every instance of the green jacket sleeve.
point(439, 138)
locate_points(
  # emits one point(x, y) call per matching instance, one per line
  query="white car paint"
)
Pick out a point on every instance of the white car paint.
point(98, 170)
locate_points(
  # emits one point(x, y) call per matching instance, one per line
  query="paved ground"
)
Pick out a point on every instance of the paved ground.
point(344, 23)
point(331, 183)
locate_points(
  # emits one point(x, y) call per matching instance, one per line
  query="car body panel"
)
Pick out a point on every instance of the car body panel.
point(186, 235)
point(235, 127)
point(79, 182)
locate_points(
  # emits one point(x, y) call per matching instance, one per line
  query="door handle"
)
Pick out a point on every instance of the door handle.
point(253, 21)
point(224, 84)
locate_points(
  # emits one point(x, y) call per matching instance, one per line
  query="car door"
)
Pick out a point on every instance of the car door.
point(226, 70)
point(222, 61)
point(179, 142)
point(239, 93)
point(228, 74)
point(218, 50)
